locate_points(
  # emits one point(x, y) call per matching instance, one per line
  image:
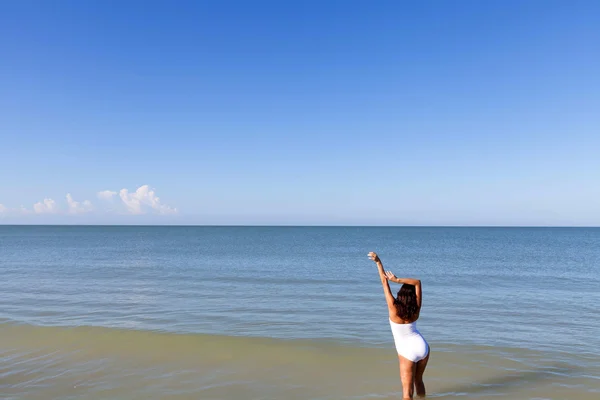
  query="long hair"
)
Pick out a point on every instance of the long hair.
point(406, 302)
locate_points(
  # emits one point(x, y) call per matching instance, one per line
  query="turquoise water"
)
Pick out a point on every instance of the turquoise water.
point(492, 296)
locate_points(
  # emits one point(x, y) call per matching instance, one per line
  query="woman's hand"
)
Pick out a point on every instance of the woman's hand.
point(390, 276)
point(373, 256)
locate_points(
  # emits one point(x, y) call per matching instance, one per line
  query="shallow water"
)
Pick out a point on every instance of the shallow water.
point(102, 363)
point(219, 313)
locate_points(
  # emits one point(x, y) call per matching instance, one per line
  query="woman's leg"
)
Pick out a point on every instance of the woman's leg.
point(407, 376)
point(419, 384)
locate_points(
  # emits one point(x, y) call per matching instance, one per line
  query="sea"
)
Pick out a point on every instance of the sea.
point(204, 312)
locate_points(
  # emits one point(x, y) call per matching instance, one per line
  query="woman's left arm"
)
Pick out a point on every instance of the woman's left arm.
point(389, 297)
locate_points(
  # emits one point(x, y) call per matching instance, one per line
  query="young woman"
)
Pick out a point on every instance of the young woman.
point(413, 350)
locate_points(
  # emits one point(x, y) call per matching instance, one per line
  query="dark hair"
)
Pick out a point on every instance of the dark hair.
point(406, 302)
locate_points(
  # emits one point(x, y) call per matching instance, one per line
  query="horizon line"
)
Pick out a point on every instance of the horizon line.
point(299, 226)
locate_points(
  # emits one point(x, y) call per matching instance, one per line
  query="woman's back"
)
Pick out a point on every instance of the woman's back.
point(407, 304)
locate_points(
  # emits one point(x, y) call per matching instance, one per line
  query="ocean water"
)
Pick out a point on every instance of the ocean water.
point(294, 312)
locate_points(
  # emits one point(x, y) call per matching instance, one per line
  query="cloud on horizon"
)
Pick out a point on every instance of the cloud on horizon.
point(76, 207)
point(142, 201)
point(106, 195)
point(48, 206)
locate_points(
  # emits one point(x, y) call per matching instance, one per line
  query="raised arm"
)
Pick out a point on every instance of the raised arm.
point(409, 281)
point(389, 297)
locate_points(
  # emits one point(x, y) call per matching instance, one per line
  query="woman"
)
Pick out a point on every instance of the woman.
point(413, 350)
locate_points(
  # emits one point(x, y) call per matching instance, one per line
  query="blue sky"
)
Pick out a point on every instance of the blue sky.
point(312, 112)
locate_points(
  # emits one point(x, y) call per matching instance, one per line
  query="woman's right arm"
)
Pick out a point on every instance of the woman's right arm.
point(409, 281)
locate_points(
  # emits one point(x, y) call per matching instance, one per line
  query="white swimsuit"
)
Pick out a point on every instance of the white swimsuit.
point(409, 342)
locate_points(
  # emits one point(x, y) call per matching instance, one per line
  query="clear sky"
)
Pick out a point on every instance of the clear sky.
point(308, 112)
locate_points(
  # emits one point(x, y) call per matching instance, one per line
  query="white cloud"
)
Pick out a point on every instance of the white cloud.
point(76, 207)
point(106, 195)
point(48, 206)
point(143, 199)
